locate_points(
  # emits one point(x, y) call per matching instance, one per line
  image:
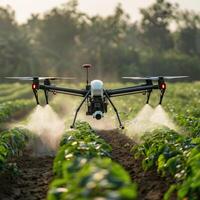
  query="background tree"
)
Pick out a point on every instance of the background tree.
point(155, 25)
point(188, 33)
point(15, 51)
point(61, 40)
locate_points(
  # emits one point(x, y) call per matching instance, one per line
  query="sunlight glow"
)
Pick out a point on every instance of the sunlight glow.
point(24, 8)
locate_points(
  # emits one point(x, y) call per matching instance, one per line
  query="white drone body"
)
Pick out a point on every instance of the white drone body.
point(96, 88)
point(97, 91)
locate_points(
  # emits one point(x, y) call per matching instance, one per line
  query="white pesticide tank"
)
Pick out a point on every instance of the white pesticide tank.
point(96, 88)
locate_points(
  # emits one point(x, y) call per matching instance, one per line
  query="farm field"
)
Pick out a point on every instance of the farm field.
point(156, 156)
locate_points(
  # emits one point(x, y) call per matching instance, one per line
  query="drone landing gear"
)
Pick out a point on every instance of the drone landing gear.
point(46, 96)
point(162, 92)
point(115, 109)
point(36, 96)
point(149, 83)
point(77, 110)
point(148, 96)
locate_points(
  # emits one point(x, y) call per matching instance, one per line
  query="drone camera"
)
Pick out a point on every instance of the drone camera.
point(98, 115)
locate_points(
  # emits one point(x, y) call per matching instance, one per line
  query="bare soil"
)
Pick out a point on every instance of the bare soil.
point(36, 173)
point(32, 182)
point(150, 185)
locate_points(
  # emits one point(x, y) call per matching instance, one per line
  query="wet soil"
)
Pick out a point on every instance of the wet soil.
point(150, 185)
point(32, 182)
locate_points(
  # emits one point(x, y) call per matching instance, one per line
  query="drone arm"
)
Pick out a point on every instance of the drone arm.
point(68, 91)
point(131, 90)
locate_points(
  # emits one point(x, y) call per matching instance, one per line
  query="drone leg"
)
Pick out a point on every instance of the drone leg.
point(148, 96)
point(115, 109)
point(77, 110)
point(46, 96)
point(161, 96)
point(36, 96)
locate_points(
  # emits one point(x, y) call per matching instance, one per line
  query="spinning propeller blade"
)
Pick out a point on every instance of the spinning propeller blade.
point(155, 78)
point(40, 78)
point(21, 78)
point(174, 77)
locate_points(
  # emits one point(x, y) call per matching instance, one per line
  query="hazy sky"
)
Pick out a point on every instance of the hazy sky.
point(24, 8)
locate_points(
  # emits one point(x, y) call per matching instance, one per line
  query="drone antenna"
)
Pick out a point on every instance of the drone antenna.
point(87, 66)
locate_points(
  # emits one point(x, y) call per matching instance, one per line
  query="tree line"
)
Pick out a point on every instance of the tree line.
point(166, 41)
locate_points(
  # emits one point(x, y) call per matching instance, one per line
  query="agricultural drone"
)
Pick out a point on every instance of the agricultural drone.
point(95, 95)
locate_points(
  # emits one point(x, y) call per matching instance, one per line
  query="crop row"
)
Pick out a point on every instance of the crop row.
point(12, 143)
point(9, 108)
point(189, 124)
point(84, 170)
point(8, 86)
point(173, 155)
point(21, 92)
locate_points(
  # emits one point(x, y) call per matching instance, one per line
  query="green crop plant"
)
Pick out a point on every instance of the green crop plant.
point(83, 169)
point(9, 108)
point(173, 155)
point(94, 179)
point(12, 143)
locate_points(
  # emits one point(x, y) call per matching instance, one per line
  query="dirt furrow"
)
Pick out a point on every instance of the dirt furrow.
point(150, 185)
point(32, 182)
